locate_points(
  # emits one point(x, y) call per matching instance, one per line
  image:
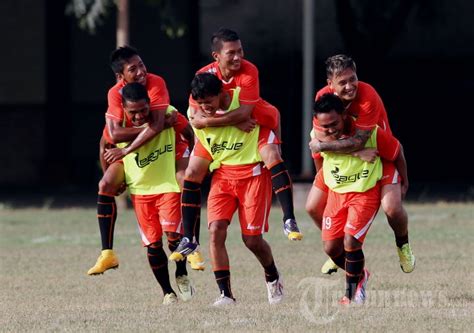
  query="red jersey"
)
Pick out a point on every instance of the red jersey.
point(247, 79)
point(159, 99)
point(157, 91)
point(367, 108)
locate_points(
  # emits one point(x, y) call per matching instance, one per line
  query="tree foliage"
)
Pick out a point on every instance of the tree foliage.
point(91, 14)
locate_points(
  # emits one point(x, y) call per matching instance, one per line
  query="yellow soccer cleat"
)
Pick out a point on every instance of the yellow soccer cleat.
point(290, 228)
point(170, 298)
point(329, 267)
point(407, 259)
point(106, 260)
point(185, 248)
point(196, 261)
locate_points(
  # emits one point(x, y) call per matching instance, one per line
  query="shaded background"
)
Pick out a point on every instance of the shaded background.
point(417, 54)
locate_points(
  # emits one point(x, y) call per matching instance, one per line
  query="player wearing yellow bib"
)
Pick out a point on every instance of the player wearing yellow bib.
point(150, 175)
point(354, 192)
point(239, 183)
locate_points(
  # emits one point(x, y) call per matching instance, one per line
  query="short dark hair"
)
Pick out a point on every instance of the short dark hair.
point(326, 103)
point(134, 92)
point(205, 85)
point(121, 56)
point(222, 35)
point(338, 63)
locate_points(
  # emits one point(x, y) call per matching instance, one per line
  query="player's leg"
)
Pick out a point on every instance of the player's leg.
point(356, 274)
point(220, 260)
point(315, 204)
point(254, 196)
point(146, 209)
point(191, 206)
point(109, 185)
point(361, 212)
point(282, 187)
point(316, 200)
point(159, 266)
point(398, 220)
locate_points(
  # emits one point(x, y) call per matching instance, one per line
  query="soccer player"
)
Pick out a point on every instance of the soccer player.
point(234, 71)
point(353, 192)
point(239, 183)
point(151, 179)
point(361, 101)
point(129, 67)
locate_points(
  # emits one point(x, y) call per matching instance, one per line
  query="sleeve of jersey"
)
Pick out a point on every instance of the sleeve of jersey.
point(266, 115)
point(200, 151)
point(368, 114)
point(114, 109)
point(387, 145)
point(158, 93)
point(181, 123)
point(250, 87)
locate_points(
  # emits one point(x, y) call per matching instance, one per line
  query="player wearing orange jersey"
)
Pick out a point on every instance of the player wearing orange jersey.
point(353, 191)
point(239, 183)
point(151, 179)
point(361, 101)
point(234, 71)
point(129, 67)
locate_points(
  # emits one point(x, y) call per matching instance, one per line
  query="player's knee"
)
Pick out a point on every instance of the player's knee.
point(156, 245)
point(332, 249)
point(393, 208)
point(106, 186)
point(270, 154)
point(253, 243)
point(217, 232)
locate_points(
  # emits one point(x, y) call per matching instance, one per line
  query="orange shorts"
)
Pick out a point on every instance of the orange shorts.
point(350, 213)
point(157, 213)
point(252, 197)
point(390, 175)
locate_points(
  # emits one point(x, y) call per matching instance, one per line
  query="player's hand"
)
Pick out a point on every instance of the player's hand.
point(198, 120)
point(247, 125)
point(367, 154)
point(114, 154)
point(170, 119)
point(315, 146)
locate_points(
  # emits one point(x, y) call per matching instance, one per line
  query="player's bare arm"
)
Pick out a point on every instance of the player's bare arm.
point(145, 134)
point(199, 119)
point(348, 145)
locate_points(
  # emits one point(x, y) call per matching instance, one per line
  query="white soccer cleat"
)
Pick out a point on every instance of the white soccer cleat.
point(275, 291)
point(185, 288)
point(224, 300)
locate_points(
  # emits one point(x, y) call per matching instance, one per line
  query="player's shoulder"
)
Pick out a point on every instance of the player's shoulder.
point(116, 89)
point(153, 79)
point(247, 67)
point(322, 91)
point(365, 89)
point(210, 68)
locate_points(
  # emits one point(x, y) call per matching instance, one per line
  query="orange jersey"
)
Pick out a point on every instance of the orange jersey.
point(367, 108)
point(247, 79)
point(157, 91)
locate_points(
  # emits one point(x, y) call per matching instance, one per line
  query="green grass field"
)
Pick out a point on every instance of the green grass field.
point(44, 287)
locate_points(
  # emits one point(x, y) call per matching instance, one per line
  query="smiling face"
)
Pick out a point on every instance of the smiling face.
point(138, 112)
point(345, 85)
point(331, 124)
point(134, 70)
point(229, 57)
point(210, 104)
